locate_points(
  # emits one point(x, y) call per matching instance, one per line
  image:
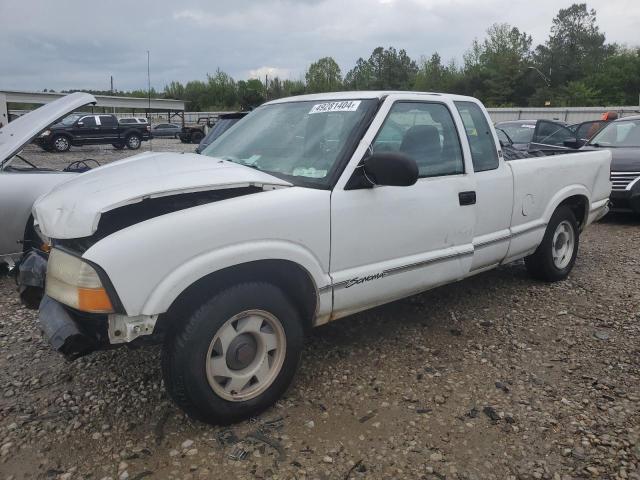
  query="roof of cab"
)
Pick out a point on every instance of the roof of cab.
point(361, 95)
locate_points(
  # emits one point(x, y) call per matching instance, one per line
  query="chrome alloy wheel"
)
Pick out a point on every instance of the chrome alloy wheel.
point(246, 355)
point(133, 142)
point(61, 144)
point(563, 244)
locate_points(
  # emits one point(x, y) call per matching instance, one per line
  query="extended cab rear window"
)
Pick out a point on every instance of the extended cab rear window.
point(481, 142)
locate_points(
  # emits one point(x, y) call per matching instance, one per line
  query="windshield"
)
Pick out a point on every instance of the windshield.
point(70, 119)
point(518, 132)
point(623, 133)
point(299, 141)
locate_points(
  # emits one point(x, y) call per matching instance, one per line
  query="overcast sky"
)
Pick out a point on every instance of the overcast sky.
point(67, 44)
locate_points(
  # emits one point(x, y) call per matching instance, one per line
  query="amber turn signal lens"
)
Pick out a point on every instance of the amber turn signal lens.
point(94, 300)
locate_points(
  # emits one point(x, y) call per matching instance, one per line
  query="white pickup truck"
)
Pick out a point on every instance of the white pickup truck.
point(309, 209)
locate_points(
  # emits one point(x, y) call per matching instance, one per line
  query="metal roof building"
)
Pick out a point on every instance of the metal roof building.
point(171, 107)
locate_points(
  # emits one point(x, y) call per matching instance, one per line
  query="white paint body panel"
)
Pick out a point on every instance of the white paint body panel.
point(407, 239)
point(74, 211)
point(158, 259)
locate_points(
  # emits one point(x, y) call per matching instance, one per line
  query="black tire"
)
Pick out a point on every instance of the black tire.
point(60, 144)
point(196, 137)
point(133, 141)
point(118, 146)
point(540, 264)
point(186, 347)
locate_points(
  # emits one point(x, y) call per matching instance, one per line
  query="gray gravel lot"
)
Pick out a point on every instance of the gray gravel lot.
point(101, 153)
point(494, 377)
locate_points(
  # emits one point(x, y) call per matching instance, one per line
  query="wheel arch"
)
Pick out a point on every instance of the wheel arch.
point(293, 279)
point(576, 197)
point(579, 205)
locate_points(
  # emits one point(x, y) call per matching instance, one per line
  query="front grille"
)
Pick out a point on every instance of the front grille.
point(620, 180)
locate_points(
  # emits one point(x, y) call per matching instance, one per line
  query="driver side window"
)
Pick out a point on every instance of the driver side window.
point(89, 121)
point(424, 132)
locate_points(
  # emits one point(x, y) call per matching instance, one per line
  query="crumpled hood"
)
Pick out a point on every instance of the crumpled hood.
point(15, 135)
point(73, 209)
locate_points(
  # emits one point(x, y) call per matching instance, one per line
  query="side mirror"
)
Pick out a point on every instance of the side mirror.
point(80, 124)
point(572, 143)
point(391, 169)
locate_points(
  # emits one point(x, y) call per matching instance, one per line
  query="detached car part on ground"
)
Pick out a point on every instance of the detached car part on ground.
point(22, 181)
point(310, 209)
point(82, 129)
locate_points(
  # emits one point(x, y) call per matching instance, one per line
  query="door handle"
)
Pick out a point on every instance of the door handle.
point(467, 198)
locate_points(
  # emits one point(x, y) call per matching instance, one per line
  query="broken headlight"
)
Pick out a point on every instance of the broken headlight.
point(75, 283)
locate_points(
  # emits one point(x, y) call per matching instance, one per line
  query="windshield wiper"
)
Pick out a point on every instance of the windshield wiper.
point(229, 158)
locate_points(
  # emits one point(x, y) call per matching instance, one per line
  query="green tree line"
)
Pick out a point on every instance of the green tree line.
point(575, 66)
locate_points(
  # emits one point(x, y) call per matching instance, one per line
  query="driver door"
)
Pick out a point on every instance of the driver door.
point(390, 242)
point(85, 129)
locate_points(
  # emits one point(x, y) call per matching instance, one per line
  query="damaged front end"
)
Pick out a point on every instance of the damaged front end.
point(75, 334)
point(131, 214)
point(66, 334)
point(81, 310)
point(32, 270)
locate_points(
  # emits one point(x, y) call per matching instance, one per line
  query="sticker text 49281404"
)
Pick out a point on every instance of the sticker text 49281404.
point(343, 106)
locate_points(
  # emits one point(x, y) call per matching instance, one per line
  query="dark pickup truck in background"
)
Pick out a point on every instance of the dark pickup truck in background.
point(82, 129)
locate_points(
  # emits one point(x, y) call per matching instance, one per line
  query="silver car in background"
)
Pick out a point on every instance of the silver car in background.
point(22, 181)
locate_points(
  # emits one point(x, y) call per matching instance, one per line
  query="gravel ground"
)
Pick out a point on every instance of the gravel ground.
point(494, 377)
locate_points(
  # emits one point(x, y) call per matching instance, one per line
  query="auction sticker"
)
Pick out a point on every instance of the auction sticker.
point(344, 106)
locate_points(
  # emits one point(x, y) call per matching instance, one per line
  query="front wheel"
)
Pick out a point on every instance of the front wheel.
point(235, 355)
point(61, 144)
point(555, 256)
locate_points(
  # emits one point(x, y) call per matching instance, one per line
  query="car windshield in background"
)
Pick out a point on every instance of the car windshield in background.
point(298, 141)
point(518, 132)
point(618, 134)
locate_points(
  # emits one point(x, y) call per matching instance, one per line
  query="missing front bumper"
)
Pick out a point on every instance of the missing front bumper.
point(65, 334)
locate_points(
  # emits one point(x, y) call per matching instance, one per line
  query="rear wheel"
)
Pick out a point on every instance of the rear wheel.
point(61, 144)
point(554, 258)
point(235, 355)
point(133, 142)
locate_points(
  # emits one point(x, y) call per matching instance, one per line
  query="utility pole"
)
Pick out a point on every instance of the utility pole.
point(149, 95)
point(114, 108)
point(266, 87)
point(148, 82)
